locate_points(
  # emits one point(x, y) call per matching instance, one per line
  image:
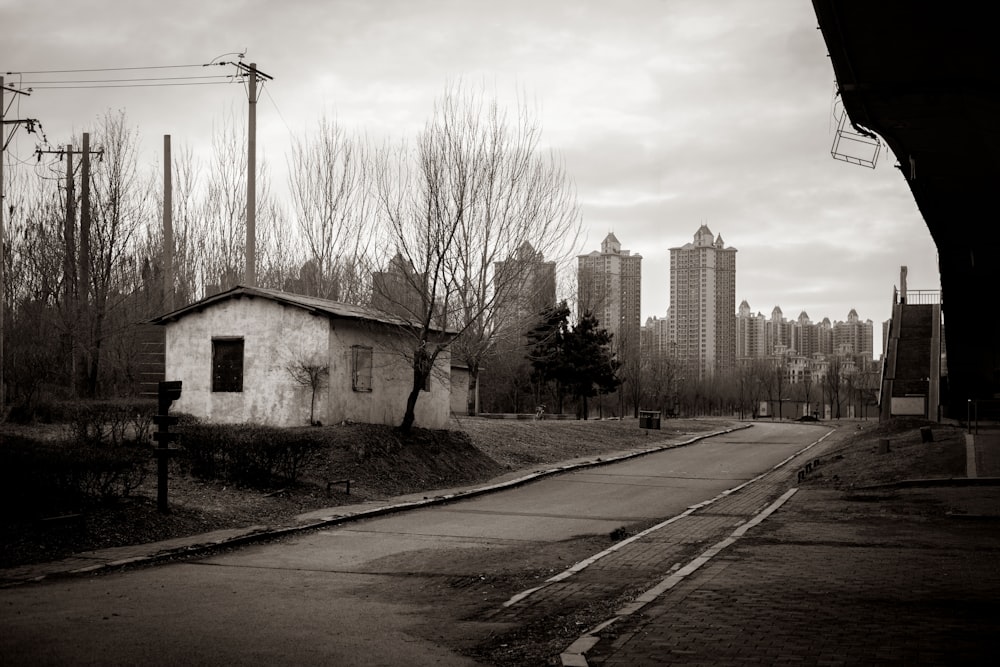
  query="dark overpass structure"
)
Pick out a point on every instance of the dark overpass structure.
point(924, 77)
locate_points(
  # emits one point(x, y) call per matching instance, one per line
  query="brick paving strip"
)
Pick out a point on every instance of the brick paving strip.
point(895, 574)
point(574, 656)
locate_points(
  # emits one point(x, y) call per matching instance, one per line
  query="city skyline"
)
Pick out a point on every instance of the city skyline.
point(667, 115)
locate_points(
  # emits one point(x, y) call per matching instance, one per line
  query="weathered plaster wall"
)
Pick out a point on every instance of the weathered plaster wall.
point(274, 336)
point(392, 378)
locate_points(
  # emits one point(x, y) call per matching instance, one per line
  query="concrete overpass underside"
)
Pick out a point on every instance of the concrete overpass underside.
point(923, 76)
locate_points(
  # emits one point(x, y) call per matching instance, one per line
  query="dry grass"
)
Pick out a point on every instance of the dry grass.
point(517, 444)
point(857, 462)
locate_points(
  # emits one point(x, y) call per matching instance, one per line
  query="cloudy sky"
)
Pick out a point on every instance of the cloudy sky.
point(669, 114)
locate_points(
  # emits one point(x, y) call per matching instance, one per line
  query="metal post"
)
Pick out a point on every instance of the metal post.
point(168, 228)
point(251, 258)
point(167, 393)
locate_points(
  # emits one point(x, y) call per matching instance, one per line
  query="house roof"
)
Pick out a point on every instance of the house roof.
point(314, 305)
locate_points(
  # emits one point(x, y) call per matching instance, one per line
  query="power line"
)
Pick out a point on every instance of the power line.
point(160, 78)
point(140, 85)
point(107, 69)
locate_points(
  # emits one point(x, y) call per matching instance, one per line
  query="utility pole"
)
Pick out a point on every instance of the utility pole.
point(29, 123)
point(76, 266)
point(251, 268)
point(254, 74)
point(168, 227)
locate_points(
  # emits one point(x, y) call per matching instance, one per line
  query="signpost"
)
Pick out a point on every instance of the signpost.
point(167, 393)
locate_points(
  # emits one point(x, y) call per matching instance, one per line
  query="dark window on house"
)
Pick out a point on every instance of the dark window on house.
point(361, 368)
point(227, 364)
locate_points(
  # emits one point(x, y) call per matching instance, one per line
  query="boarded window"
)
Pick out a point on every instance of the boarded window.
point(227, 364)
point(361, 368)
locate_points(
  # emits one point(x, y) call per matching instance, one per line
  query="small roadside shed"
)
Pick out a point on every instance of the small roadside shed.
point(235, 351)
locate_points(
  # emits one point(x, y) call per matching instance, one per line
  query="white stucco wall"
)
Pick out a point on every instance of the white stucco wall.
point(275, 336)
point(392, 378)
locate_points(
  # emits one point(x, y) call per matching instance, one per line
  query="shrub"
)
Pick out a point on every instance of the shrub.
point(40, 477)
point(111, 422)
point(248, 454)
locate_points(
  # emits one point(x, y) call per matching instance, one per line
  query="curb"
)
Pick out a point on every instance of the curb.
point(940, 481)
point(255, 535)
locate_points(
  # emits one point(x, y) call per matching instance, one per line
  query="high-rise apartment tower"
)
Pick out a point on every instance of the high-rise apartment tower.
point(703, 305)
point(609, 285)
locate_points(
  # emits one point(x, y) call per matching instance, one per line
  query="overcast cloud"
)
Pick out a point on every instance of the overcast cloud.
point(668, 114)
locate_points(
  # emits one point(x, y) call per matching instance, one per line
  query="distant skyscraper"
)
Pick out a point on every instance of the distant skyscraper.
point(655, 338)
point(532, 289)
point(703, 305)
point(609, 285)
point(751, 334)
point(854, 336)
point(400, 290)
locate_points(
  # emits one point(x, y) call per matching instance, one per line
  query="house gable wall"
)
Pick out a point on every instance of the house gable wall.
point(274, 336)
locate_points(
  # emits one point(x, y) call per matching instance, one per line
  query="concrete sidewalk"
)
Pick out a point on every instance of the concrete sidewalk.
point(894, 575)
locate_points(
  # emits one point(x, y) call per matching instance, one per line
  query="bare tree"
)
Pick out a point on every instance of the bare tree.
point(311, 375)
point(659, 375)
point(223, 253)
point(474, 189)
point(119, 212)
point(832, 382)
point(328, 180)
point(780, 384)
point(807, 382)
point(189, 227)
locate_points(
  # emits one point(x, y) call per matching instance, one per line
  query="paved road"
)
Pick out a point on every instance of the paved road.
point(398, 590)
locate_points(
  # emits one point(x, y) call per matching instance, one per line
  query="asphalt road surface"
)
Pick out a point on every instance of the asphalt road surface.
point(410, 588)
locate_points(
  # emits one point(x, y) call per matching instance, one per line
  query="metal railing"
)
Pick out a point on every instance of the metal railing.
point(918, 297)
point(981, 410)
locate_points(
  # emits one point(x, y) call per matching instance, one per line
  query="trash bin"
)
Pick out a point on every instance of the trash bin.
point(649, 419)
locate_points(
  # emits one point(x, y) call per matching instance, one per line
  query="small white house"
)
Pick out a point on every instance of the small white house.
point(234, 353)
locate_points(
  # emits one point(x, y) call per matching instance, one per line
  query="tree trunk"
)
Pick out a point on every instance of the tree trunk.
point(422, 364)
point(411, 403)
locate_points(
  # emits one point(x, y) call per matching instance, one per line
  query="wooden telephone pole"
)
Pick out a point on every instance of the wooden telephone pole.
point(254, 75)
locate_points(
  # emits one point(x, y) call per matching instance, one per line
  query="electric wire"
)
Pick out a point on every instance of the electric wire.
point(137, 85)
point(109, 69)
point(162, 78)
